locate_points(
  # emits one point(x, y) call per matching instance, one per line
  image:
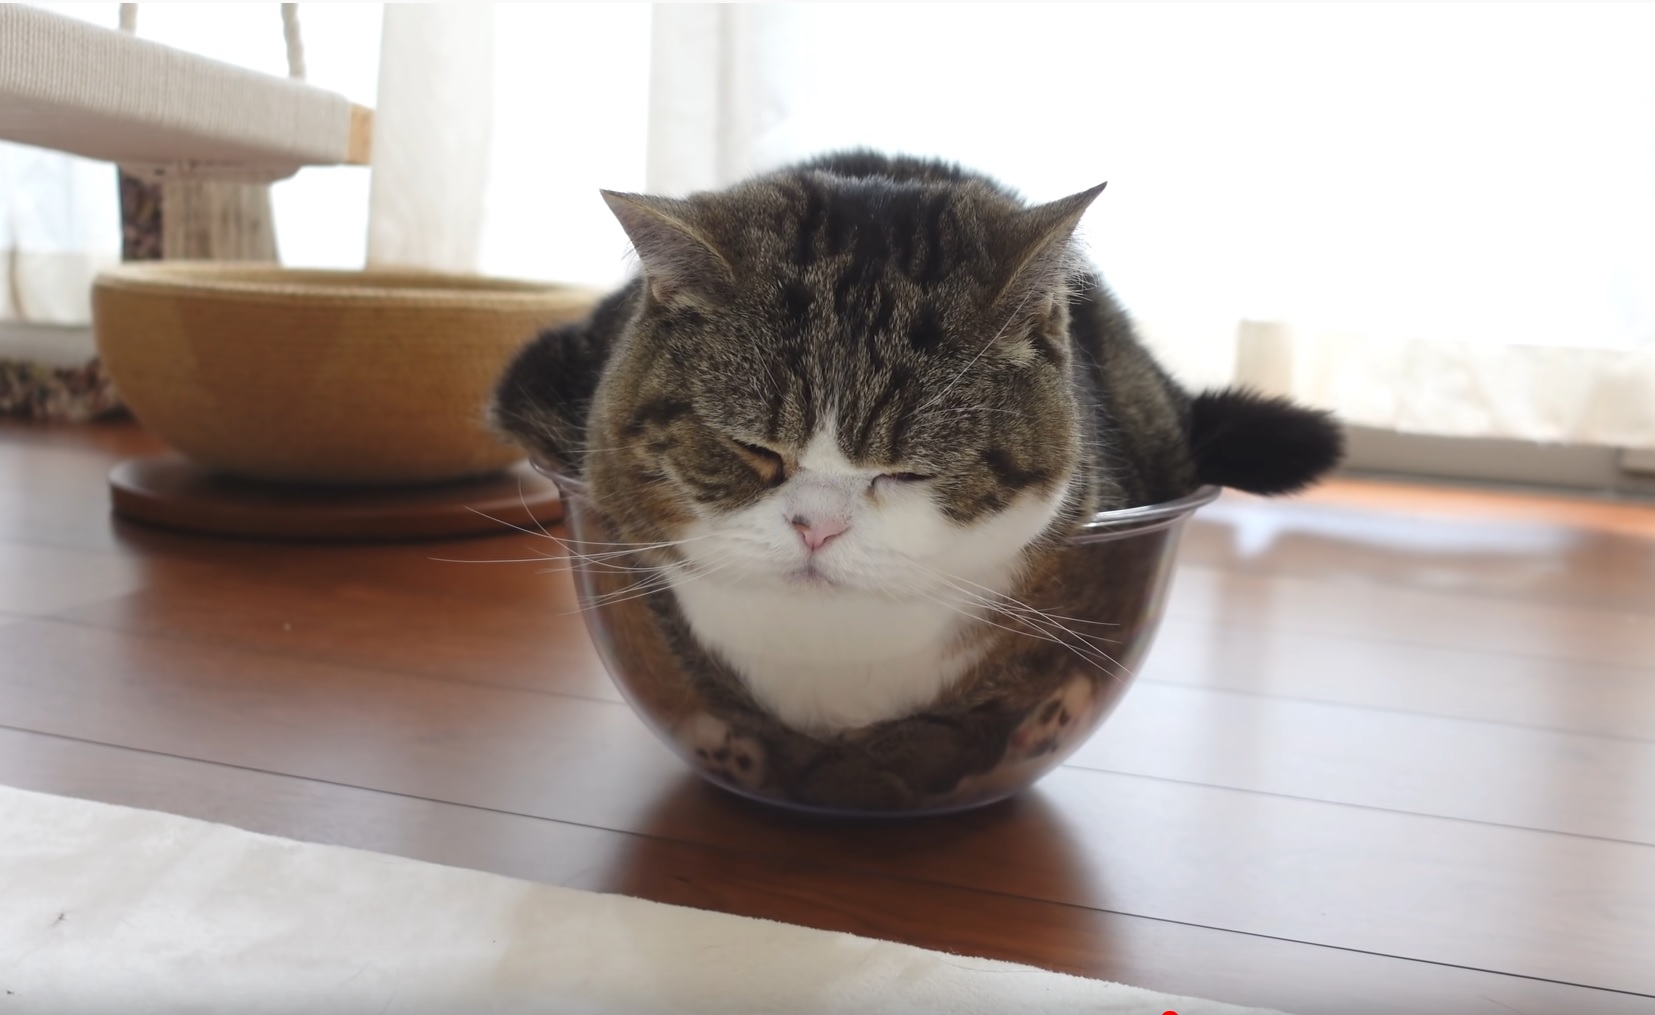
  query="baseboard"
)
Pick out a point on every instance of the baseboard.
point(50, 344)
point(1498, 462)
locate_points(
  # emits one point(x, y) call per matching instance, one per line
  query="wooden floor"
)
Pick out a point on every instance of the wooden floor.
point(1393, 752)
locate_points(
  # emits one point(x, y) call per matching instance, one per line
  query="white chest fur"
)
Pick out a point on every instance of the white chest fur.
point(829, 660)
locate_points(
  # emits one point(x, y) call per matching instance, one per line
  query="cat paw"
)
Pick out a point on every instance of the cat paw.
point(721, 752)
point(1054, 724)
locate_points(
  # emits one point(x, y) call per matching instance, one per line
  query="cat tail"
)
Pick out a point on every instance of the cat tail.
point(1261, 444)
point(544, 397)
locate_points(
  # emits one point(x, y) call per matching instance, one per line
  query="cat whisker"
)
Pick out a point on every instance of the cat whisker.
point(523, 499)
point(539, 559)
point(604, 567)
point(1002, 596)
point(1038, 621)
point(646, 587)
point(1102, 661)
point(617, 448)
point(1026, 606)
point(1037, 634)
point(511, 525)
point(971, 408)
point(569, 546)
point(569, 557)
point(573, 551)
point(642, 587)
point(570, 549)
point(1026, 632)
point(629, 547)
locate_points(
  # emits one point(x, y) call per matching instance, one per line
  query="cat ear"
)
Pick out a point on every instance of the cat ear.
point(1260, 444)
point(1035, 250)
point(680, 260)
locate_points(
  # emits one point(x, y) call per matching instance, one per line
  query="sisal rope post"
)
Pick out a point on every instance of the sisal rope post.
point(208, 220)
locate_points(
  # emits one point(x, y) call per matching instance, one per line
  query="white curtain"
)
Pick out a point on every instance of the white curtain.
point(1426, 217)
point(59, 226)
point(495, 128)
point(722, 77)
point(431, 135)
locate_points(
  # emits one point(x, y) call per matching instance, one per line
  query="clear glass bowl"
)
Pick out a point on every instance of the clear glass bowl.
point(999, 731)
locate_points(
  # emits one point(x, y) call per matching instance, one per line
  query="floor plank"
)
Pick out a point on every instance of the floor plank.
point(1537, 692)
point(1173, 957)
point(54, 491)
point(1392, 759)
point(1558, 907)
point(518, 624)
point(1392, 752)
point(1560, 782)
point(1410, 616)
point(40, 581)
point(523, 631)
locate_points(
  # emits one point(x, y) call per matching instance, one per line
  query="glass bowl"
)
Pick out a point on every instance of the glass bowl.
point(1081, 630)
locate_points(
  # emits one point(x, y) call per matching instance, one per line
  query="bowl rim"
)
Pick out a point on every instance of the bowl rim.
point(236, 281)
point(1103, 526)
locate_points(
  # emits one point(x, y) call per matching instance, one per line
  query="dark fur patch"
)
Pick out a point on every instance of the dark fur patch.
point(656, 413)
point(810, 223)
point(901, 381)
point(929, 269)
point(926, 333)
point(545, 395)
point(882, 315)
point(1009, 474)
point(773, 421)
point(796, 300)
point(1259, 444)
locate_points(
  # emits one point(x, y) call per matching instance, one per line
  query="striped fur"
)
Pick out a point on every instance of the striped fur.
point(981, 391)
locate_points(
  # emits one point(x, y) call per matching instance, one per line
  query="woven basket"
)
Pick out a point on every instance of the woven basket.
point(330, 377)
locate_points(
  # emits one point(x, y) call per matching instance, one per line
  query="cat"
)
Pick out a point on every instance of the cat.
point(847, 410)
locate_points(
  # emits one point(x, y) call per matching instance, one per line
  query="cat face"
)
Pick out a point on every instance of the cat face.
point(837, 383)
point(827, 521)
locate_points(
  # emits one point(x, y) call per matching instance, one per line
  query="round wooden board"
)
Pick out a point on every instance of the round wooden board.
point(176, 493)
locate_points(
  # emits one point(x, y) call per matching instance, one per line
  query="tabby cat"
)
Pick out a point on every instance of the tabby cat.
point(843, 412)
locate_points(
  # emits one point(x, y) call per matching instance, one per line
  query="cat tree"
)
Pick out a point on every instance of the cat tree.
point(200, 351)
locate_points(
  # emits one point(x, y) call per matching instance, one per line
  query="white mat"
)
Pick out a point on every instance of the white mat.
point(110, 909)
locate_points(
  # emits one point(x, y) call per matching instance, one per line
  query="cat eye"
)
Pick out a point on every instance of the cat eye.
point(899, 479)
point(767, 463)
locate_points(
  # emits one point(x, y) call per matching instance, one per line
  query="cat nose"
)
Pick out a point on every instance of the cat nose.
point(817, 532)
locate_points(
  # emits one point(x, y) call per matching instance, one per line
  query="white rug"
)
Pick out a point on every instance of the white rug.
point(106, 909)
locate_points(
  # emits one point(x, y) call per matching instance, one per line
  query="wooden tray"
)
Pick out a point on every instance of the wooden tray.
point(176, 493)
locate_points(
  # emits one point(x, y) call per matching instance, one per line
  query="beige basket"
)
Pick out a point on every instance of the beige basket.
point(337, 377)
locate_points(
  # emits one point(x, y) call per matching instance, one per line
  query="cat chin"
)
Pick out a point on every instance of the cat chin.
point(824, 660)
point(812, 579)
point(808, 583)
